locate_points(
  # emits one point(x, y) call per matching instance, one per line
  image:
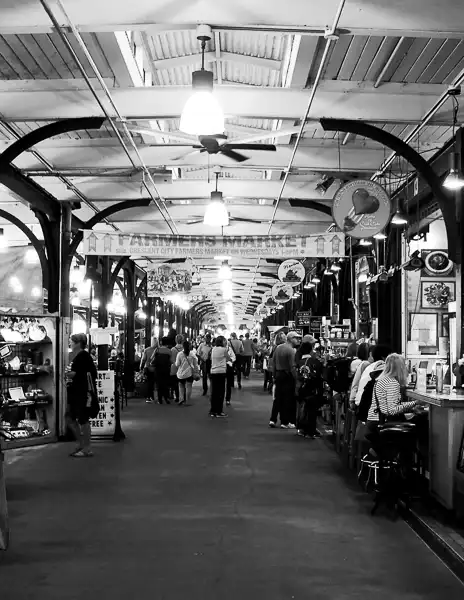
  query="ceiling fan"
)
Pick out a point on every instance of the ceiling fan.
point(211, 145)
point(195, 220)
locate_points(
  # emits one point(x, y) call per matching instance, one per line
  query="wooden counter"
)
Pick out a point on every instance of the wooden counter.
point(446, 426)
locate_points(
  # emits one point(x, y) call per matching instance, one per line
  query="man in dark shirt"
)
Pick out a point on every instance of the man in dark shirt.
point(247, 355)
point(284, 371)
point(78, 387)
point(162, 361)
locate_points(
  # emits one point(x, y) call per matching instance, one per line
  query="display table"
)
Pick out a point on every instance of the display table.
point(446, 427)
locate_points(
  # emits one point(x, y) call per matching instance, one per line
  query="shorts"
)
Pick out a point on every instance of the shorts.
point(186, 380)
point(78, 411)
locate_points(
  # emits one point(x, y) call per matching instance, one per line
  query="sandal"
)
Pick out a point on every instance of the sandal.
point(82, 454)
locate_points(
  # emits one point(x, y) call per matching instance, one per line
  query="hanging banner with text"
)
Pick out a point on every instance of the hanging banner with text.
point(104, 424)
point(248, 246)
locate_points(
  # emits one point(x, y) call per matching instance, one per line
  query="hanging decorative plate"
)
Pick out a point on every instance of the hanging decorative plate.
point(291, 272)
point(437, 263)
point(361, 208)
point(282, 292)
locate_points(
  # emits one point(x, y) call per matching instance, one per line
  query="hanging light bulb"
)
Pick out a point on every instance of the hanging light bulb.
point(454, 180)
point(216, 214)
point(31, 257)
point(225, 271)
point(380, 236)
point(202, 114)
point(315, 279)
point(365, 242)
point(335, 267)
point(399, 217)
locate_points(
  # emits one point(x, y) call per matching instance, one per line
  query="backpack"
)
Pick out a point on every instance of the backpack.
point(338, 374)
point(310, 376)
point(362, 410)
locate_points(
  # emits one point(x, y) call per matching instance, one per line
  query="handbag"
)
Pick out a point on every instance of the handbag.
point(195, 371)
point(93, 404)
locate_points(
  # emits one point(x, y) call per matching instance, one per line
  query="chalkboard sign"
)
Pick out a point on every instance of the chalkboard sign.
point(315, 325)
point(460, 465)
point(303, 318)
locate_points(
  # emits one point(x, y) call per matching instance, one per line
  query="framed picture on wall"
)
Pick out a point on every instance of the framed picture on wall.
point(437, 294)
point(437, 264)
point(423, 328)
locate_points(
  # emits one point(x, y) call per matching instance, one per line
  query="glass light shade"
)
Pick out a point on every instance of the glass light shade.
point(365, 242)
point(36, 292)
point(453, 181)
point(335, 267)
point(380, 236)
point(225, 272)
point(399, 218)
point(216, 214)
point(76, 275)
point(328, 272)
point(202, 114)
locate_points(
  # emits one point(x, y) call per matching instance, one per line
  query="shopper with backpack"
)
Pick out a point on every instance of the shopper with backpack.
point(309, 391)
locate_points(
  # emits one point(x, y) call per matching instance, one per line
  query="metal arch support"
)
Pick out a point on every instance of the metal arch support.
point(141, 289)
point(34, 241)
point(44, 133)
point(445, 201)
point(123, 291)
point(114, 275)
point(107, 212)
point(312, 204)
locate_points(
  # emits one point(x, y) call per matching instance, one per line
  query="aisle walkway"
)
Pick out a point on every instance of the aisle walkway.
point(190, 508)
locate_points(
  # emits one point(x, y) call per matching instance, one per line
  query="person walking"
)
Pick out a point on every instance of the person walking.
point(285, 374)
point(162, 363)
point(174, 386)
point(187, 368)
point(80, 371)
point(309, 391)
point(230, 371)
point(220, 355)
point(204, 357)
point(237, 347)
point(247, 355)
point(148, 369)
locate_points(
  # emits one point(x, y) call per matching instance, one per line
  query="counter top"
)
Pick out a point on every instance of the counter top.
point(454, 399)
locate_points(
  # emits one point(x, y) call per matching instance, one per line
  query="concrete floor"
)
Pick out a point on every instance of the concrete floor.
point(188, 507)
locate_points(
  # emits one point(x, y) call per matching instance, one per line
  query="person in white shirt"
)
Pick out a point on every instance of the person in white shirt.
point(204, 357)
point(237, 346)
point(363, 360)
point(220, 356)
point(187, 366)
point(379, 354)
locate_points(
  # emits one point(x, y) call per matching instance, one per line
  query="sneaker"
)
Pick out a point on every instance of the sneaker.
point(149, 401)
point(221, 415)
point(316, 435)
point(212, 415)
point(272, 424)
point(228, 403)
point(291, 426)
point(301, 433)
point(284, 427)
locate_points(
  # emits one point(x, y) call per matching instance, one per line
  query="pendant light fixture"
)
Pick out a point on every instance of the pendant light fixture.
point(225, 271)
point(202, 114)
point(399, 218)
point(335, 267)
point(216, 214)
point(454, 180)
point(380, 236)
point(365, 242)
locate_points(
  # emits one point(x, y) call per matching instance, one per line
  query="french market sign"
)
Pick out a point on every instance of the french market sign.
point(250, 246)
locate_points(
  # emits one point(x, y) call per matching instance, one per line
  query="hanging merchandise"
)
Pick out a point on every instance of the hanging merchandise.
point(291, 272)
point(361, 208)
point(164, 279)
point(282, 292)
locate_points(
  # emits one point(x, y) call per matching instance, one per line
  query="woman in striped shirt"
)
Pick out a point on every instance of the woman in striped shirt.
point(387, 391)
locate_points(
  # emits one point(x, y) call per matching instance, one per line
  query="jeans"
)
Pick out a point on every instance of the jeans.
point(247, 365)
point(284, 400)
point(307, 414)
point(206, 369)
point(163, 381)
point(267, 385)
point(239, 368)
point(218, 390)
point(175, 387)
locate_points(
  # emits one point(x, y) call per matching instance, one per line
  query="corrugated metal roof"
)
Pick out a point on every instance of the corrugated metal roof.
point(415, 60)
point(44, 56)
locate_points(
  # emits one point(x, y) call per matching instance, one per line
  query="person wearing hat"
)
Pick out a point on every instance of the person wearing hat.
point(285, 374)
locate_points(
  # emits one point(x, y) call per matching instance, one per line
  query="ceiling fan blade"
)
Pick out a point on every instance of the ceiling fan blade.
point(194, 222)
point(154, 133)
point(265, 147)
point(188, 154)
point(243, 220)
point(233, 155)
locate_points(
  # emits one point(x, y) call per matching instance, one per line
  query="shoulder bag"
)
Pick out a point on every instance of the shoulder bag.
point(195, 370)
point(93, 406)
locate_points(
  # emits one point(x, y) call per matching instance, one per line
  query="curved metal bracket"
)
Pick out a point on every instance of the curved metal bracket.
point(34, 241)
point(114, 275)
point(140, 289)
point(447, 206)
point(48, 131)
point(312, 204)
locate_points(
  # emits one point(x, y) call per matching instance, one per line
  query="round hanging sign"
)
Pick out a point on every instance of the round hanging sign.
point(282, 292)
point(361, 208)
point(291, 272)
point(437, 263)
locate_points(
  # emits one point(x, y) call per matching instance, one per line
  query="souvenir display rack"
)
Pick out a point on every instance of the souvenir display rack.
point(28, 385)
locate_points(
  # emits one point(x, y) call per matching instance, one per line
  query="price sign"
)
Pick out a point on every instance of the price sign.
point(303, 318)
point(315, 324)
point(104, 424)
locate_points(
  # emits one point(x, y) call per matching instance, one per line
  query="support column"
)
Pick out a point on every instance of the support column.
point(129, 354)
point(103, 293)
point(459, 198)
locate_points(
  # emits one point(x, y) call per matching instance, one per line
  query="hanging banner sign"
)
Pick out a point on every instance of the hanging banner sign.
point(291, 272)
point(282, 293)
point(303, 318)
point(104, 424)
point(250, 246)
point(165, 279)
point(361, 208)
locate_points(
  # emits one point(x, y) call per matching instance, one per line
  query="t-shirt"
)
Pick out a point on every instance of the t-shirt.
point(284, 358)
point(162, 361)
point(220, 356)
point(186, 365)
point(247, 347)
point(237, 346)
point(204, 351)
point(81, 365)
